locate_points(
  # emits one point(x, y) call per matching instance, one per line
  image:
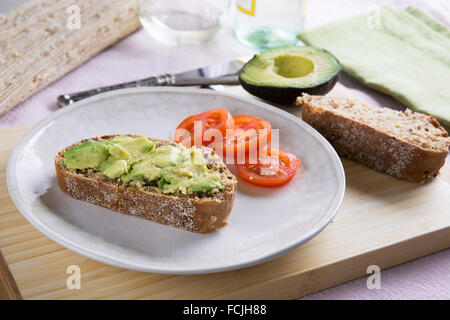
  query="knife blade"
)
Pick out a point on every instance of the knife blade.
point(218, 74)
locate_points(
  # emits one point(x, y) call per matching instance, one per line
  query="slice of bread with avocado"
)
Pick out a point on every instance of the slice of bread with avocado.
point(165, 182)
point(407, 145)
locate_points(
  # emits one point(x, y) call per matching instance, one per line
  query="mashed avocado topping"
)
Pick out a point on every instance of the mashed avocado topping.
point(170, 168)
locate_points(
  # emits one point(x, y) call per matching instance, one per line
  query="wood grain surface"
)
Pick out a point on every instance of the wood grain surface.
point(8, 286)
point(40, 41)
point(383, 221)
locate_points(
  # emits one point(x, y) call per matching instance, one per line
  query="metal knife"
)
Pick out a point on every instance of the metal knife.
point(219, 74)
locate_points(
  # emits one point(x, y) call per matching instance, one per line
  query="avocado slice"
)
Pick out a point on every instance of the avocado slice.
point(89, 154)
point(174, 168)
point(282, 74)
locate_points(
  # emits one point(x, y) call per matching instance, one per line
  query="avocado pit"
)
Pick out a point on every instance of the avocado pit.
point(290, 66)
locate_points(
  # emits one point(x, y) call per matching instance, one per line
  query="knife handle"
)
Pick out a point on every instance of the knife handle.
point(69, 98)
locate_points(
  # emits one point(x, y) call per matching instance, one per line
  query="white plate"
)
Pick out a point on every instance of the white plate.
point(264, 223)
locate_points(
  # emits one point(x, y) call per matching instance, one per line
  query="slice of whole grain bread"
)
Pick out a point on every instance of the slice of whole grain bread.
point(407, 145)
point(196, 212)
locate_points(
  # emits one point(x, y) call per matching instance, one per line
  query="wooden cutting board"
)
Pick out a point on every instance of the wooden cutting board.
point(383, 221)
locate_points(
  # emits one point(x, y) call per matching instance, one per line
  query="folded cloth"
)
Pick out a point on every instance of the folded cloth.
point(405, 54)
point(429, 20)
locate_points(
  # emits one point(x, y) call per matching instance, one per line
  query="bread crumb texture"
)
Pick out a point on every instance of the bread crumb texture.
point(407, 145)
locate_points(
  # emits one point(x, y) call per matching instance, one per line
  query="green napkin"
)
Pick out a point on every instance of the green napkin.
point(405, 54)
point(429, 20)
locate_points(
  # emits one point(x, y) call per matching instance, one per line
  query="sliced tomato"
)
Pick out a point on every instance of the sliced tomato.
point(213, 123)
point(250, 135)
point(270, 170)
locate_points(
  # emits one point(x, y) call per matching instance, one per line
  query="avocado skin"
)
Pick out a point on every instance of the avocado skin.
point(287, 95)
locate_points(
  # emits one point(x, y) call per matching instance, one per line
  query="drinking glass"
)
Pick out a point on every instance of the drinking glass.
point(179, 22)
point(267, 23)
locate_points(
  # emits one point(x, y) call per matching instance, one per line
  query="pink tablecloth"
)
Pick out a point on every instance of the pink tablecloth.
point(139, 56)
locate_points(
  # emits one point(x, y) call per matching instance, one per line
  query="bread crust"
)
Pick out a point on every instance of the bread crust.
point(383, 152)
point(194, 214)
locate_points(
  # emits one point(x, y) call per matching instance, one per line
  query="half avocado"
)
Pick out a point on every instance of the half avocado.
point(282, 74)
